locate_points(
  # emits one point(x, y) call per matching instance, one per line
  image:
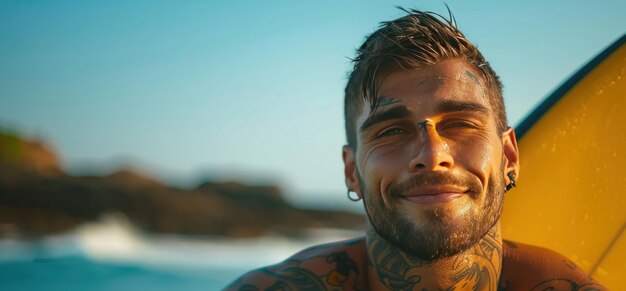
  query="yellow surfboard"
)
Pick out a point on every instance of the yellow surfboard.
point(571, 194)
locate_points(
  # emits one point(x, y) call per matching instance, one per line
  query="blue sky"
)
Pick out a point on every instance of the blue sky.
point(246, 89)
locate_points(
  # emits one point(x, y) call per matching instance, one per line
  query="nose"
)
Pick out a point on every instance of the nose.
point(432, 152)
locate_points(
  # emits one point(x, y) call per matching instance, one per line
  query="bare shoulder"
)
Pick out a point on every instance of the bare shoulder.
point(323, 267)
point(527, 267)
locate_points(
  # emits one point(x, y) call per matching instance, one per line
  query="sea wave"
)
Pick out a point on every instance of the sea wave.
point(114, 240)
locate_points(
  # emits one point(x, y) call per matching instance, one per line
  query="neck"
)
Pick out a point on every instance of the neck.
point(477, 268)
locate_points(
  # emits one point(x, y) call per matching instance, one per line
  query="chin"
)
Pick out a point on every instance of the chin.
point(434, 232)
point(447, 215)
point(430, 231)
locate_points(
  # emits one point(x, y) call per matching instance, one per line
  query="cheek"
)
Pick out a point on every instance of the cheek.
point(479, 155)
point(380, 167)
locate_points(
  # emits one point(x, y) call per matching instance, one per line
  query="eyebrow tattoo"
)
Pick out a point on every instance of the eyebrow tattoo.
point(398, 112)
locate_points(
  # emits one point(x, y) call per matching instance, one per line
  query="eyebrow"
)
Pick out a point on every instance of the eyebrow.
point(385, 101)
point(455, 106)
point(397, 112)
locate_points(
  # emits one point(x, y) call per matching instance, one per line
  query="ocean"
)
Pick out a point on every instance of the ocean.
point(112, 255)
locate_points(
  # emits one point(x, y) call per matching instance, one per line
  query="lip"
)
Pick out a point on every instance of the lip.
point(434, 194)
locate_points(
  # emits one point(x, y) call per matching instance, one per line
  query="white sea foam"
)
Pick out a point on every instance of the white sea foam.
point(114, 239)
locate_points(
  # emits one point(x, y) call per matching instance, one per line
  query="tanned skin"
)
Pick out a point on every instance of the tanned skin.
point(313, 269)
point(433, 122)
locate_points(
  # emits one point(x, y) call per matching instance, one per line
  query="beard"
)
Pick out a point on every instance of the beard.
point(442, 233)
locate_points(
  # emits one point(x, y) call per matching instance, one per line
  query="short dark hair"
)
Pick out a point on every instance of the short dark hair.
point(418, 39)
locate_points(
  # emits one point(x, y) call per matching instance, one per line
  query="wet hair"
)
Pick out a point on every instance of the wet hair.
point(419, 39)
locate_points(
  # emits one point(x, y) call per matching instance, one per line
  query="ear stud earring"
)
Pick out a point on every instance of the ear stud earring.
point(511, 184)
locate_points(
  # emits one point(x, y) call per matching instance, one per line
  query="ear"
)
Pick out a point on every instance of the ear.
point(350, 171)
point(511, 153)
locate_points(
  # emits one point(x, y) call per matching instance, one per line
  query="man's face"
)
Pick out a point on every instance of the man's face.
point(430, 164)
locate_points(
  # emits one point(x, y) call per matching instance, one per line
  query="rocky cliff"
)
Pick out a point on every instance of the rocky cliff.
point(37, 197)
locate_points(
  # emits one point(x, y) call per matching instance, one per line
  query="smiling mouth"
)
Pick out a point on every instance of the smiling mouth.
point(434, 198)
point(434, 195)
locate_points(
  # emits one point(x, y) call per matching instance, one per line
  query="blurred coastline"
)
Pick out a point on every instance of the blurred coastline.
point(103, 231)
point(37, 198)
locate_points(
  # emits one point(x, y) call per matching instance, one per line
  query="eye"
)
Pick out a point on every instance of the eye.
point(391, 131)
point(458, 124)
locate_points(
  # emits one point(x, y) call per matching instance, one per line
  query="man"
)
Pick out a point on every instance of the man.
point(430, 153)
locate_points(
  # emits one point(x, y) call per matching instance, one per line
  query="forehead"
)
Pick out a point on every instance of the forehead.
point(451, 80)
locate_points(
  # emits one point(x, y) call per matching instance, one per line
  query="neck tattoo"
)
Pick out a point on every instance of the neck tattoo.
point(477, 268)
